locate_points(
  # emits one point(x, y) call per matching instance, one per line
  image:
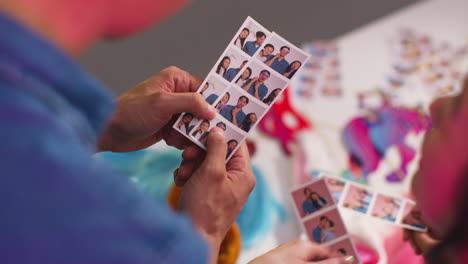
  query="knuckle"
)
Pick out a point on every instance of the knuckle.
point(158, 96)
point(170, 70)
point(197, 100)
point(219, 173)
point(251, 181)
point(215, 172)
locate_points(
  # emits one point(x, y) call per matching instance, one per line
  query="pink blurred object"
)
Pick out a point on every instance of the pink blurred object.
point(367, 254)
point(399, 251)
point(283, 122)
point(300, 175)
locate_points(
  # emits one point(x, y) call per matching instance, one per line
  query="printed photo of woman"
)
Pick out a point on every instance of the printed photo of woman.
point(248, 122)
point(272, 96)
point(223, 65)
point(292, 69)
point(184, 124)
point(240, 40)
point(222, 104)
point(201, 130)
point(232, 144)
point(244, 78)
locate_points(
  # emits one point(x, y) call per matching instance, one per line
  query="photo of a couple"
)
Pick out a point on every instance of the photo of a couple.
point(312, 201)
point(312, 198)
point(325, 227)
point(324, 231)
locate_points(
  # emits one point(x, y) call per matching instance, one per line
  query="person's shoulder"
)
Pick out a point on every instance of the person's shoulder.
point(228, 108)
point(211, 98)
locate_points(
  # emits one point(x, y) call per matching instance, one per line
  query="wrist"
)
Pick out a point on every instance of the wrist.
point(214, 245)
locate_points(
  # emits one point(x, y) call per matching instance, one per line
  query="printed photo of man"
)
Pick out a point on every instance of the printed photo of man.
point(265, 53)
point(256, 86)
point(252, 46)
point(278, 62)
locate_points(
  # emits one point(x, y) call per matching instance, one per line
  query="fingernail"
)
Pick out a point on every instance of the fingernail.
point(349, 260)
point(218, 131)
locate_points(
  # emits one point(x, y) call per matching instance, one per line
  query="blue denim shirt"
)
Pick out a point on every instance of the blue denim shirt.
point(58, 204)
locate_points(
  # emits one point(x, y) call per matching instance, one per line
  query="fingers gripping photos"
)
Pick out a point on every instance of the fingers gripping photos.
point(244, 83)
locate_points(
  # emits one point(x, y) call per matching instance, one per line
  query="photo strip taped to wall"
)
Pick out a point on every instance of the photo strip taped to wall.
point(250, 75)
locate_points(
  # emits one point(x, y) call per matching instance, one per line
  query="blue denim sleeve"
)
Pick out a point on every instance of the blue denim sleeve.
point(59, 205)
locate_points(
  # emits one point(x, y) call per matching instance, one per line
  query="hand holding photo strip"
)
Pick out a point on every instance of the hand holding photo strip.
point(320, 218)
point(361, 199)
point(244, 83)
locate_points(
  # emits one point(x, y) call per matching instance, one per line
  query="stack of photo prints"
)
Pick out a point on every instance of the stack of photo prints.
point(252, 72)
point(317, 202)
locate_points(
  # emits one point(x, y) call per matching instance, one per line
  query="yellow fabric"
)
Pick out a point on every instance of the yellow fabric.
point(231, 245)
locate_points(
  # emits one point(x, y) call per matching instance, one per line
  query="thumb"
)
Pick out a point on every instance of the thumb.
point(172, 103)
point(341, 260)
point(215, 159)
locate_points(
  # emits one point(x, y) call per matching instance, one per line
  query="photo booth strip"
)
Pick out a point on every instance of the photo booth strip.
point(363, 200)
point(321, 77)
point(261, 94)
point(335, 237)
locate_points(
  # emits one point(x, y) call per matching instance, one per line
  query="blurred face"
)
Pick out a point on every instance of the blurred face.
point(443, 163)
point(187, 119)
point(260, 40)
point(323, 223)
point(295, 65)
point(307, 193)
point(315, 197)
point(245, 74)
point(222, 126)
point(226, 63)
point(244, 34)
point(242, 102)
point(205, 87)
point(284, 52)
point(232, 144)
point(362, 194)
point(264, 76)
point(267, 51)
point(204, 126)
point(253, 118)
point(225, 98)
